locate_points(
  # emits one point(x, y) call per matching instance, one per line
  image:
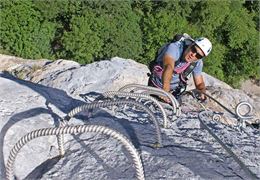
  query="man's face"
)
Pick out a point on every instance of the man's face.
point(193, 53)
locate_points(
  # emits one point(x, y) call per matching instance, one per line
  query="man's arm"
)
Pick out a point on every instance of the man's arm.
point(200, 85)
point(168, 67)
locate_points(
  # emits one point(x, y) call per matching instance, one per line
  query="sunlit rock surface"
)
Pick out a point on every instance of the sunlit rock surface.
point(48, 90)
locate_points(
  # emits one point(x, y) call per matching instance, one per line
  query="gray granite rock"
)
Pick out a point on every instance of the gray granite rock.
point(189, 152)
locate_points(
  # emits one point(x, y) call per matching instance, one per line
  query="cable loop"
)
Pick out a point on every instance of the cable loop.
point(246, 115)
point(202, 116)
point(138, 95)
point(208, 113)
point(107, 103)
point(74, 130)
point(155, 91)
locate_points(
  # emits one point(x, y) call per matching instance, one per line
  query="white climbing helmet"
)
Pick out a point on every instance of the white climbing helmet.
point(204, 44)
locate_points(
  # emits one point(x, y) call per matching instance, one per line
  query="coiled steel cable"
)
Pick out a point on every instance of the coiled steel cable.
point(138, 95)
point(224, 107)
point(136, 87)
point(173, 100)
point(207, 113)
point(74, 130)
point(241, 164)
point(107, 103)
point(237, 113)
point(60, 138)
point(245, 116)
point(176, 111)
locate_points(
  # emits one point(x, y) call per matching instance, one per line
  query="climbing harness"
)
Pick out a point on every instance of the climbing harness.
point(183, 71)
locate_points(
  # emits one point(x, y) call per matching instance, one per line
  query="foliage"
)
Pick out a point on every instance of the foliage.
point(160, 26)
point(87, 31)
point(82, 42)
point(208, 18)
point(242, 56)
point(253, 7)
point(23, 32)
point(120, 33)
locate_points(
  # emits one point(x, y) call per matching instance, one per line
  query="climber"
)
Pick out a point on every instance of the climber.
point(175, 61)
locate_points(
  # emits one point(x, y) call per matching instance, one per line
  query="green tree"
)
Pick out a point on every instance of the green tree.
point(60, 13)
point(242, 57)
point(82, 43)
point(232, 31)
point(208, 17)
point(23, 32)
point(121, 32)
point(161, 25)
point(253, 7)
point(86, 31)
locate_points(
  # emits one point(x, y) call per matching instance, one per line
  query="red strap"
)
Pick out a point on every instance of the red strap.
point(182, 68)
point(157, 71)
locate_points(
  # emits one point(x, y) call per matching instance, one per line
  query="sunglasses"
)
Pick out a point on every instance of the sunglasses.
point(194, 50)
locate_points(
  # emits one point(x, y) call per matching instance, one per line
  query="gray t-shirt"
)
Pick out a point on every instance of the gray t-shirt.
point(175, 50)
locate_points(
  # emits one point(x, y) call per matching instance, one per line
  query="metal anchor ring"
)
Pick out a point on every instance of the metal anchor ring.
point(246, 115)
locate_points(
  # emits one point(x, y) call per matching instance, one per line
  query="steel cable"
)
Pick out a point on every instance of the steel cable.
point(245, 116)
point(224, 107)
point(174, 102)
point(107, 103)
point(176, 112)
point(207, 113)
point(236, 114)
point(241, 164)
point(138, 95)
point(74, 130)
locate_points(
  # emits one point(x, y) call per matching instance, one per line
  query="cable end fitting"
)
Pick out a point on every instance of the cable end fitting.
point(66, 118)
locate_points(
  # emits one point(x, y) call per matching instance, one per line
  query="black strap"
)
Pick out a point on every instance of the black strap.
point(188, 70)
point(183, 80)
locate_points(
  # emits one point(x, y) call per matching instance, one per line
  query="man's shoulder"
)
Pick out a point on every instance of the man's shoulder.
point(176, 45)
point(199, 62)
point(198, 68)
point(176, 48)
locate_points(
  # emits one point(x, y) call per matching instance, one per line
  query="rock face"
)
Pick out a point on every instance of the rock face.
point(75, 79)
point(48, 90)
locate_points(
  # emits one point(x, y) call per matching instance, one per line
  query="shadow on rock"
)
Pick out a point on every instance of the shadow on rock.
point(15, 119)
point(43, 168)
point(57, 97)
